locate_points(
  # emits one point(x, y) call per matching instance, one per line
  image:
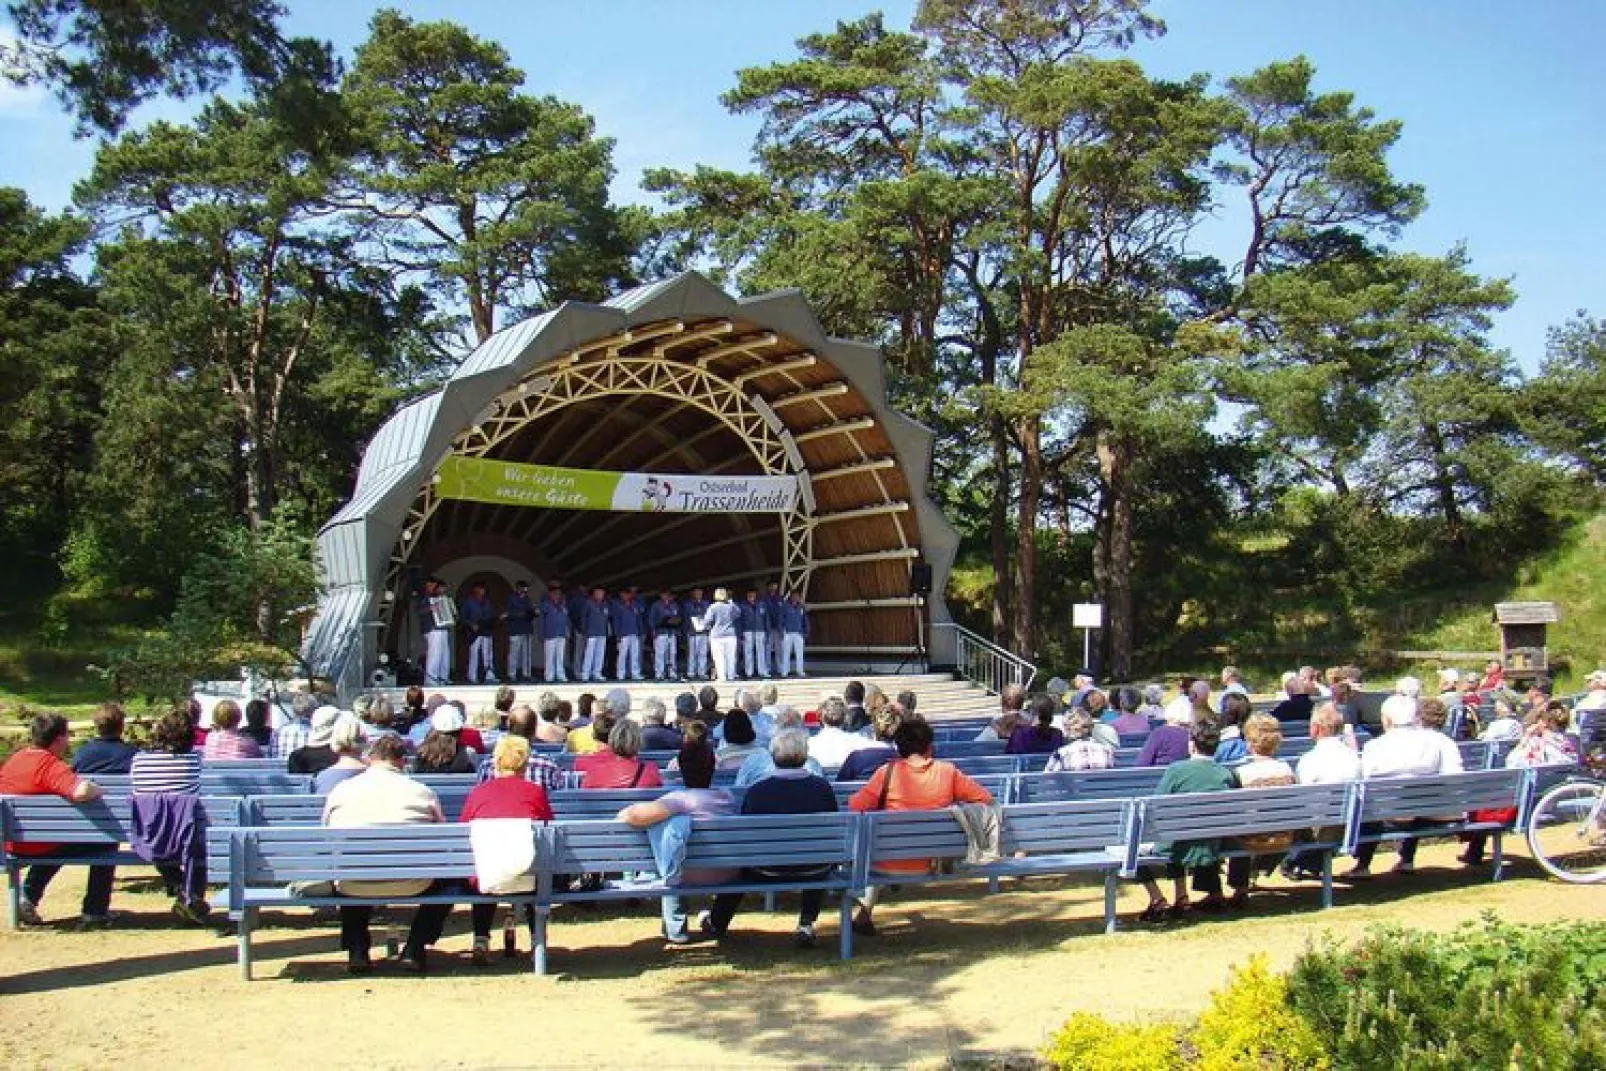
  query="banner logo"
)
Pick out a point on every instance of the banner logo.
point(507, 483)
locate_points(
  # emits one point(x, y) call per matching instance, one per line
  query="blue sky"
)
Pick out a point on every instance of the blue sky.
point(1504, 104)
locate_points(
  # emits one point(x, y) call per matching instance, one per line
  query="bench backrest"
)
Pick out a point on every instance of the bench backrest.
point(224, 782)
point(283, 854)
point(735, 841)
point(1443, 796)
point(108, 820)
point(1088, 784)
point(1188, 816)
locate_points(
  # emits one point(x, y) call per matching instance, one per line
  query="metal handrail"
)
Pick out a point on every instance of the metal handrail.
point(981, 661)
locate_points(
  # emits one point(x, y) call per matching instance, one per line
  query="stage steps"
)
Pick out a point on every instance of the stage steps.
point(939, 695)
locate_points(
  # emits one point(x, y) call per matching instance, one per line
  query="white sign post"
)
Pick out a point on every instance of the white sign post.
point(1087, 616)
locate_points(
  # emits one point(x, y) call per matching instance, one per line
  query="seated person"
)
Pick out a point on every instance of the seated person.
point(1331, 760)
point(740, 740)
point(582, 738)
point(1010, 701)
point(225, 741)
point(107, 753)
point(656, 734)
point(348, 745)
point(550, 728)
point(383, 795)
point(38, 770)
point(915, 781)
point(618, 765)
point(443, 750)
point(790, 788)
point(1406, 749)
point(316, 755)
point(1234, 713)
point(1128, 722)
point(166, 780)
point(698, 799)
point(1169, 742)
point(508, 794)
point(864, 762)
point(1197, 773)
point(538, 769)
point(831, 746)
point(760, 765)
point(1081, 751)
point(1263, 734)
point(1038, 736)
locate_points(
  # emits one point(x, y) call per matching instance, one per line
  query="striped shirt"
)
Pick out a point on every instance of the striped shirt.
point(292, 736)
point(156, 772)
point(540, 770)
point(229, 744)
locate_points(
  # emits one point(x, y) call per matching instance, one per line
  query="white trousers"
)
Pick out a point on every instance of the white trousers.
point(552, 660)
point(628, 661)
point(663, 655)
point(518, 656)
point(772, 648)
point(591, 665)
point(791, 654)
point(697, 655)
point(481, 660)
point(758, 659)
point(577, 655)
point(438, 656)
point(724, 649)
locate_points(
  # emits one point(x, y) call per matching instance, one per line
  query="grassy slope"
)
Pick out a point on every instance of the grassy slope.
point(1573, 576)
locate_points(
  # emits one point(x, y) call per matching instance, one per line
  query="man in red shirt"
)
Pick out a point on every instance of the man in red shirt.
point(39, 771)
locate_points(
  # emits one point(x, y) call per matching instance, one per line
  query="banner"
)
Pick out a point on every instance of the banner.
point(507, 483)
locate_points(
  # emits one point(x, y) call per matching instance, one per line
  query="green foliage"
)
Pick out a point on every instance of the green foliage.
point(104, 59)
point(1090, 1043)
point(1489, 995)
point(241, 604)
point(1250, 1024)
point(1566, 403)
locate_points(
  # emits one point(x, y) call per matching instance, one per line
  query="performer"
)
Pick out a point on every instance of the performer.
point(594, 627)
point(435, 620)
point(773, 601)
point(628, 622)
point(754, 627)
point(578, 597)
point(480, 619)
point(520, 617)
point(664, 620)
point(696, 636)
point(719, 621)
point(794, 629)
point(554, 631)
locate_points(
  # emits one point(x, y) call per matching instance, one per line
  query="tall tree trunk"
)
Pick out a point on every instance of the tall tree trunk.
point(1444, 487)
point(1031, 497)
point(259, 493)
point(999, 517)
point(1115, 466)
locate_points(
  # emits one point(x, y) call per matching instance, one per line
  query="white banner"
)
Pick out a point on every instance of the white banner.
point(653, 493)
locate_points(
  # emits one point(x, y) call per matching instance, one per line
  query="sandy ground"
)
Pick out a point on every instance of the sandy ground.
point(954, 974)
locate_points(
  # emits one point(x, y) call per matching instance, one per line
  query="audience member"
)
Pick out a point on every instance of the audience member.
point(1262, 769)
point(315, 755)
point(790, 788)
point(1234, 713)
point(913, 782)
point(655, 734)
point(346, 741)
point(1010, 702)
point(618, 765)
point(383, 795)
point(1168, 743)
point(1040, 737)
point(168, 829)
point(1081, 751)
point(740, 741)
point(1405, 749)
point(1297, 702)
point(549, 727)
point(1331, 760)
point(832, 745)
point(38, 770)
point(508, 793)
point(1128, 722)
point(258, 724)
point(292, 735)
point(858, 718)
point(876, 754)
point(538, 769)
point(698, 799)
point(107, 753)
point(225, 741)
point(1199, 772)
point(759, 765)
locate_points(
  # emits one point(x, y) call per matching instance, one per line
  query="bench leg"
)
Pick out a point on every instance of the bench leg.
point(1499, 859)
point(1109, 901)
point(1327, 879)
point(244, 943)
point(992, 885)
point(538, 939)
point(769, 901)
point(14, 892)
point(846, 926)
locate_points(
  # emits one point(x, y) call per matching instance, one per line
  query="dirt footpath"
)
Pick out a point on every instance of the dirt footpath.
point(953, 973)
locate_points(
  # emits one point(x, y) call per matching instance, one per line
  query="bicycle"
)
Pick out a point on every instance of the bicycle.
point(1567, 827)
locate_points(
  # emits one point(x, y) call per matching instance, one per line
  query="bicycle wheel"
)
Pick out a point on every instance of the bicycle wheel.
point(1567, 832)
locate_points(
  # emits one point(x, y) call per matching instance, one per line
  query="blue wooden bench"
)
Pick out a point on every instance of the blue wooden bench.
point(1451, 797)
point(102, 822)
point(265, 861)
point(817, 841)
point(1087, 784)
point(224, 782)
point(1244, 812)
point(1057, 839)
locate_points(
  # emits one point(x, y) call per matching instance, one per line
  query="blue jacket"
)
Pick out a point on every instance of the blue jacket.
point(772, 609)
point(627, 618)
point(479, 616)
point(593, 619)
point(660, 614)
point(520, 615)
point(752, 617)
point(554, 620)
point(690, 610)
point(794, 619)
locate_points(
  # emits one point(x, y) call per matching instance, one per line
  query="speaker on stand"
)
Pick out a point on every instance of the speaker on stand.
point(919, 591)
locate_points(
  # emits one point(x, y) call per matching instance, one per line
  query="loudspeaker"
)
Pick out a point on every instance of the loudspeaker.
point(920, 579)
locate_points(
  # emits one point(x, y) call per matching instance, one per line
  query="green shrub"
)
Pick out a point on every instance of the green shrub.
point(1250, 1024)
point(1089, 1043)
point(1488, 995)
